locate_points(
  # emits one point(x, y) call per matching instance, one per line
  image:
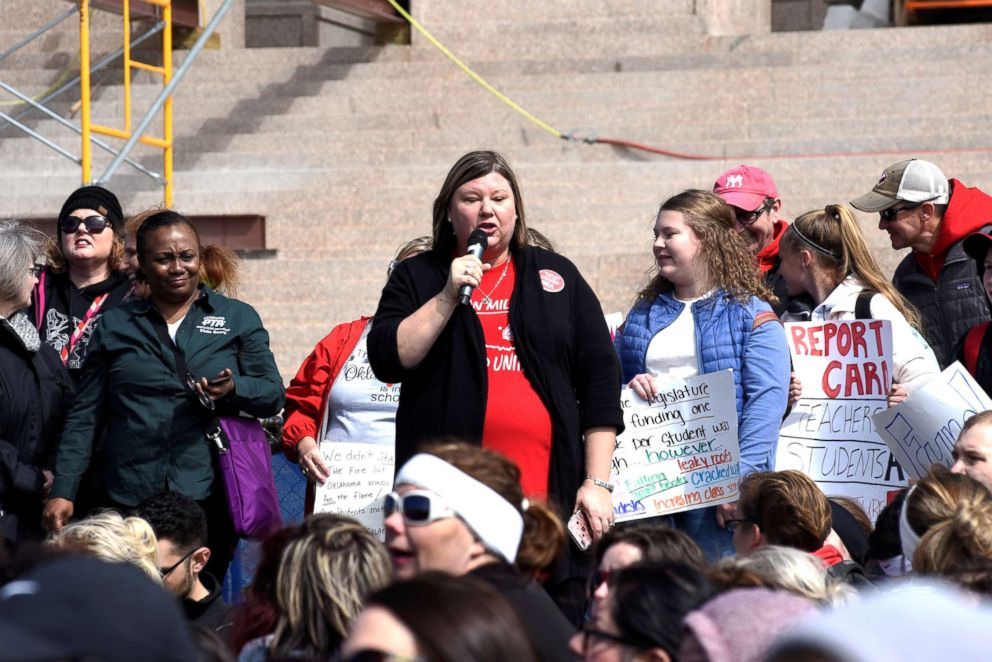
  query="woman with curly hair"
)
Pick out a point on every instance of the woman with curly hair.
point(707, 309)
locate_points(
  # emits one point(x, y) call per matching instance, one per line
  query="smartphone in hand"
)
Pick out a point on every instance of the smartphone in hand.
point(578, 528)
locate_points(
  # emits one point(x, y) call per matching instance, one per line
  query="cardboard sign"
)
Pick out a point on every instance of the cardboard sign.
point(679, 451)
point(846, 371)
point(361, 476)
point(921, 431)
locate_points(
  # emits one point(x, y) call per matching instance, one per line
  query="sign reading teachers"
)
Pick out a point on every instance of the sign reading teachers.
point(921, 431)
point(845, 369)
point(679, 451)
point(361, 476)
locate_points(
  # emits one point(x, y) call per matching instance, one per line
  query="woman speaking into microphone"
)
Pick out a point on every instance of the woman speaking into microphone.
point(526, 369)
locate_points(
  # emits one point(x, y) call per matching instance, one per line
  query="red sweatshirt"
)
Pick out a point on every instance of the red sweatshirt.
point(968, 210)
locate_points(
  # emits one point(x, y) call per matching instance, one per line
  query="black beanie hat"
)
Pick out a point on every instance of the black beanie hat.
point(98, 199)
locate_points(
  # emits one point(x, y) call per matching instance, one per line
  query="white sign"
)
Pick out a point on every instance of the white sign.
point(921, 431)
point(846, 371)
point(679, 451)
point(361, 476)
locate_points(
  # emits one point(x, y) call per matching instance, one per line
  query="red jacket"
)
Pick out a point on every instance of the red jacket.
point(768, 256)
point(306, 397)
point(967, 211)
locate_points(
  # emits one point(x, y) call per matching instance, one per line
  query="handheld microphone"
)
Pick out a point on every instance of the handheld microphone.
point(477, 242)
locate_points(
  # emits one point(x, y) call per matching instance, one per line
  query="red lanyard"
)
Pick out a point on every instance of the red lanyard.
point(83, 323)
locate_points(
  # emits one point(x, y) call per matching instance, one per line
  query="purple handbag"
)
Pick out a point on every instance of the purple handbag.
point(246, 469)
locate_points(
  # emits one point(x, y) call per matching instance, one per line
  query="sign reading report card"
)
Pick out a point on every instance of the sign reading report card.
point(846, 371)
point(921, 431)
point(679, 451)
point(361, 477)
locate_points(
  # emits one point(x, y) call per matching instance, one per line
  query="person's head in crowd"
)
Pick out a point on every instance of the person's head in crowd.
point(459, 208)
point(825, 246)
point(86, 608)
point(851, 527)
point(89, 237)
point(457, 507)
point(910, 198)
point(695, 247)
point(752, 194)
point(327, 569)
point(435, 617)
point(640, 542)
point(641, 618)
point(973, 450)
point(535, 238)
point(129, 265)
point(180, 528)
point(168, 245)
point(918, 622)
point(409, 249)
point(741, 625)
point(946, 522)
point(257, 616)
point(780, 568)
point(781, 508)
point(20, 252)
point(884, 546)
point(112, 537)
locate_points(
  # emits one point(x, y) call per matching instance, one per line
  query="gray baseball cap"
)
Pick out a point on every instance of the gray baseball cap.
point(914, 180)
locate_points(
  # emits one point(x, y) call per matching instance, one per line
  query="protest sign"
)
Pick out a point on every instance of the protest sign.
point(846, 371)
point(679, 451)
point(921, 431)
point(361, 476)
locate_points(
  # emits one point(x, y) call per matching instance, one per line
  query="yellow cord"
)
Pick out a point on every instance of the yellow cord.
point(474, 76)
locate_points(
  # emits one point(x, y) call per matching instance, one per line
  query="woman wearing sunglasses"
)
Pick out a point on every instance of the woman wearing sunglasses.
point(824, 255)
point(82, 280)
point(706, 309)
point(158, 374)
point(641, 616)
point(460, 509)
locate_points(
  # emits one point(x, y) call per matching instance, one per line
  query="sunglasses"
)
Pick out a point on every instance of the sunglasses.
point(749, 218)
point(732, 525)
point(165, 572)
point(890, 214)
point(373, 655)
point(419, 508)
point(94, 224)
point(599, 578)
point(35, 270)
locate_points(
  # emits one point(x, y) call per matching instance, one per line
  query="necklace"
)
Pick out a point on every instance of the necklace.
point(486, 298)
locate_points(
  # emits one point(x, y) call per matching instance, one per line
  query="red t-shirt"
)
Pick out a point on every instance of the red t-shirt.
point(517, 422)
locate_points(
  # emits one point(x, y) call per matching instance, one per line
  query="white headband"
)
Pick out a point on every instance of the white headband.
point(907, 536)
point(494, 519)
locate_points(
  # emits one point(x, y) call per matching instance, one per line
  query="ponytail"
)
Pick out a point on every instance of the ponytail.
point(219, 269)
point(543, 540)
point(839, 245)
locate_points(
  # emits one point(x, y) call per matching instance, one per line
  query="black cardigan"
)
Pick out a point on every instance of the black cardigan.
point(562, 342)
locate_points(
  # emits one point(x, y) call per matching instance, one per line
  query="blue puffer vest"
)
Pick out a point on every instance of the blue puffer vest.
point(723, 328)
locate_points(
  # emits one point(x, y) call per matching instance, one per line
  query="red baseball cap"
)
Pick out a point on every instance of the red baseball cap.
point(745, 187)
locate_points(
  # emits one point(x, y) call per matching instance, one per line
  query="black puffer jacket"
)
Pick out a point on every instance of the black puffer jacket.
point(35, 392)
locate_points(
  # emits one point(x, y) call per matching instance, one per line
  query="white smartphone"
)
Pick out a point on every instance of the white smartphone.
point(578, 528)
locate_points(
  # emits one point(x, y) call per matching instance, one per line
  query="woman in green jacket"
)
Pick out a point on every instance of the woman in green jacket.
point(155, 418)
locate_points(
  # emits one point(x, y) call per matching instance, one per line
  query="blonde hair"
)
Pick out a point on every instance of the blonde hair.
point(835, 230)
point(724, 258)
point(112, 537)
point(789, 569)
point(954, 513)
point(326, 571)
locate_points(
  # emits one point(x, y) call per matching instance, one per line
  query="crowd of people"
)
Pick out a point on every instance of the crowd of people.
point(490, 370)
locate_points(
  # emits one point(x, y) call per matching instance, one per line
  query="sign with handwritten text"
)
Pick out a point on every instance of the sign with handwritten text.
point(921, 430)
point(361, 476)
point(845, 369)
point(679, 451)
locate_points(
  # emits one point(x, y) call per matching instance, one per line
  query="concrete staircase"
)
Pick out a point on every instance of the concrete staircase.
point(343, 150)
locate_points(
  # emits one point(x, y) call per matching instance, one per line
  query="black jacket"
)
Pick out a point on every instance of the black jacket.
point(562, 342)
point(35, 392)
point(210, 613)
point(949, 307)
point(63, 306)
point(546, 626)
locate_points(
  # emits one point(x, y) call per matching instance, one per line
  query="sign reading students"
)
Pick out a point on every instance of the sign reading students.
point(846, 371)
point(679, 451)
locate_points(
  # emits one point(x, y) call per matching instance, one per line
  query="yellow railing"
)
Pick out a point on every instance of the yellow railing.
point(88, 126)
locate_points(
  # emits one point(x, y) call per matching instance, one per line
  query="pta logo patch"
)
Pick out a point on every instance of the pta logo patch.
point(734, 181)
point(213, 325)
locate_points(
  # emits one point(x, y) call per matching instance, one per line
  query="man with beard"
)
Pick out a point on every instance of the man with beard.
point(181, 529)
